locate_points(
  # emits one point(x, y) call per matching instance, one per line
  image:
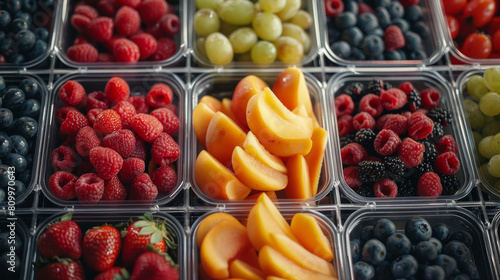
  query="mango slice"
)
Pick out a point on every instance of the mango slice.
point(299, 186)
point(209, 222)
point(308, 232)
point(315, 156)
point(240, 269)
point(254, 148)
point(223, 134)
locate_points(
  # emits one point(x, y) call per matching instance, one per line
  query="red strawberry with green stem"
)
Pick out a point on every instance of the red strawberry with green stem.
point(61, 269)
point(62, 239)
point(101, 246)
point(114, 273)
point(155, 266)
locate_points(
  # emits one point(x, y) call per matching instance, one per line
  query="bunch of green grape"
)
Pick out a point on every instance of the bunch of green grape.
point(483, 112)
point(260, 32)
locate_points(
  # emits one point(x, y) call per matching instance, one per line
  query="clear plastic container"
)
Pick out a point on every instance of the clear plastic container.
point(456, 218)
point(433, 46)
point(495, 225)
point(325, 223)
point(139, 85)
point(221, 85)
point(20, 232)
point(421, 80)
point(201, 60)
point(66, 35)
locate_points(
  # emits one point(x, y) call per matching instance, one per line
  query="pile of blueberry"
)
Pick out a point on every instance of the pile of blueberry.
point(24, 29)
point(421, 252)
point(19, 111)
point(377, 29)
point(10, 261)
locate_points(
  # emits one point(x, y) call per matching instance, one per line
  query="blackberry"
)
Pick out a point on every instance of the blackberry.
point(450, 184)
point(371, 171)
point(375, 86)
point(354, 90)
point(437, 132)
point(348, 139)
point(366, 190)
point(365, 138)
point(424, 167)
point(408, 187)
point(430, 152)
point(440, 115)
point(394, 167)
point(414, 100)
point(387, 86)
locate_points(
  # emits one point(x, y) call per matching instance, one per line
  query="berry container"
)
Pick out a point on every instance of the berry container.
point(202, 61)
point(87, 220)
point(421, 80)
point(222, 85)
point(139, 85)
point(19, 231)
point(456, 218)
point(325, 222)
point(495, 238)
point(433, 46)
point(15, 79)
point(67, 35)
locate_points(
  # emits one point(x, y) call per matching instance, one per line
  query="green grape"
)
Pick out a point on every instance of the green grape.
point(490, 104)
point(302, 19)
point(272, 6)
point(244, 57)
point(227, 28)
point(477, 138)
point(200, 46)
point(243, 39)
point(476, 86)
point(206, 22)
point(267, 26)
point(290, 10)
point(494, 166)
point(491, 128)
point(219, 49)
point(497, 185)
point(484, 147)
point(492, 78)
point(263, 52)
point(210, 4)
point(495, 143)
point(474, 115)
point(485, 174)
point(238, 12)
point(289, 49)
point(294, 31)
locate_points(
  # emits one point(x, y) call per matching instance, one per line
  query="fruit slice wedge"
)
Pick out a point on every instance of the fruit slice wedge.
point(211, 221)
point(315, 156)
point(223, 134)
point(254, 148)
point(299, 186)
point(308, 232)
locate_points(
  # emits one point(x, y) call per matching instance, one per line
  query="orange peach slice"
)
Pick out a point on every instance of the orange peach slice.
point(274, 278)
point(211, 102)
point(240, 269)
point(246, 88)
point(276, 215)
point(272, 195)
point(254, 148)
point(226, 109)
point(255, 174)
point(209, 222)
point(223, 134)
point(216, 180)
point(298, 178)
point(306, 229)
point(300, 110)
point(250, 257)
point(202, 115)
point(315, 156)
point(260, 224)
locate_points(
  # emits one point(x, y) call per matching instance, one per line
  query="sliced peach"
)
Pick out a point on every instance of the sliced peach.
point(315, 157)
point(274, 263)
point(308, 232)
point(260, 224)
point(223, 134)
point(250, 257)
point(274, 278)
point(276, 215)
point(278, 129)
point(245, 89)
point(212, 102)
point(202, 115)
point(254, 148)
point(215, 254)
point(241, 269)
point(271, 195)
point(255, 174)
point(298, 178)
point(217, 181)
point(300, 110)
point(226, 109)
point(209, 222)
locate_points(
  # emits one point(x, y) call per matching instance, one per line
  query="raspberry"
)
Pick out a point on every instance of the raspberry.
point(155, 31)
point(122, 141)
point(429, 184)
point(365, 138)
point(393, 99)
point(69, 140)
point(385, 188)
point(364, 8)
point(169, 24)
point(345, 125)
point(92, 115)
point(125, 50)
point(117, 89)
point(375, 86)
point(351, 177)
point(152, 10)
point(419, 126)
point(139, 102)
point(397, 123)
point(139, 150)
point(387, 142)
point(165, 179)
point(81, 39)
point(127, 21)
point(440, 115)
point(159, 95)
point(132, 167)
point(72, 93)
point(363, 120)
point(168, 119)
point(97, 99)
point(110, 44)
point(131, 3)
point(106, 7)
point(406, 87)
point(62, 113)
point(406, 114)
point(173, 108)
point(80, 22)
point(353, 154)
point(143, 188)
point(430, 98)
point(393, 38)
point(114, 190)
point(447, 163)
point(395, 167)
point(408, 3)
point(82, 53)
point(446, 144)
point(73, 122)
point(164, 150)
point(354, 90)
point(414, 101)
point(106, 162)
point(62, 185)
point(147, 44)
point(89, 188)
point(166, 48)
point(126, 112)
point(370, 103)
point(147, 127)
point(86, 10)
point(343, 105)
point(100, 29)
point(382, 120)
point(105, 57)
point(107, 121)
point(86, 139)
point(411, 152)
point(371, 171)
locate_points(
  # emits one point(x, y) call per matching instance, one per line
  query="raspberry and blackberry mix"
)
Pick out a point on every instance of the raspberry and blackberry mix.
point(393, 141)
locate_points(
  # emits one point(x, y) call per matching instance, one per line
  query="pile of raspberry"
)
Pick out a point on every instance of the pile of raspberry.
point(393, 141)
point(106, 138)
point(123, 31)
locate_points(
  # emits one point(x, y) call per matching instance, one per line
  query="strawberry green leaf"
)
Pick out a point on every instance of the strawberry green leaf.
point(147, 230)
point(156, 237)
point(66, 217)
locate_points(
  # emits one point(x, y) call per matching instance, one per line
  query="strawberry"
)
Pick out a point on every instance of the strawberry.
point(114, 273)
point(62, 269)
point(61, 239)
point(101, 246)
point(155, 266)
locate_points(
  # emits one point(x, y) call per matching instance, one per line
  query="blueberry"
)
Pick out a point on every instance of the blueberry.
point(392, 55)
point(418, 229)
point(18, 24)
point(367, 22)
point(17, 58)
point(19, 187)
point(2, 84)
point(357, 54)
point(29, 6)
point(377, 31)
point(382, 3)
point(19, 145)
point(351, 6)
point(6, 47)
point(383, 228)
point(355, 249)
point(441, 232)
point(22, 15)
point(437, 244)
point(30, 108)
point(13, 6)
point(2, 195)
point(341, 49)
point(413, 13)
point(26, 127)
point(42, 34)
point(5, 145)
point(383, 271)
point(372, 45)
point(448, 264)
point(373, 252)
point(434, 272)
point(457, 250)
point(333, 35)
point(398, 244)
point(363, 271)
point(345, 20)
point(5, 18)
point(413, 41)
point(401, 23)
point(38, 49)
point(17, 161)
point(462, 236)
point(24, 176)
point(418, 55)
point(25, 40)
point(404, 266)
point(425, 251)
point(353, 36)
point(366, 233)
point(30, 87)
point(422, 29)
point(459, 276)
point(396, 10)
point(4, 175)
point(383, 16)
point(29, 159)
point(6, 117)
point(13, 98)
